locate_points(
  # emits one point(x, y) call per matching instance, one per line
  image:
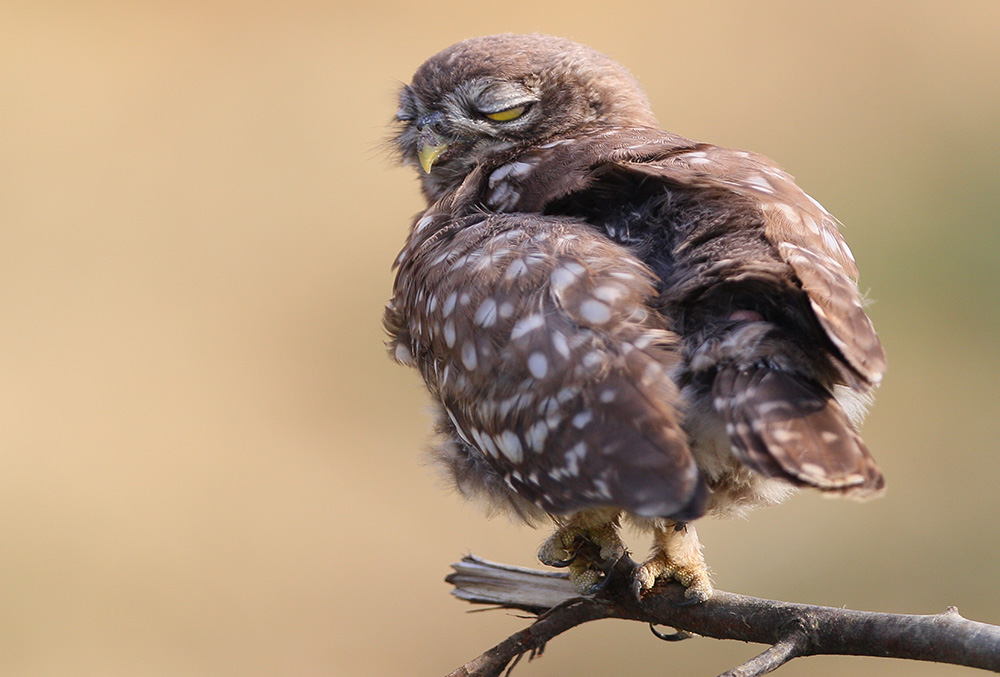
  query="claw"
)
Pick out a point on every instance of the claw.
point(637, 589)
point(557, 544)
point(678, 636)
point(561, 563)
point(588, 543)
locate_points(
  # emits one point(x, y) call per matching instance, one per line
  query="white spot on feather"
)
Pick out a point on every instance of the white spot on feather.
point(526, 325)
point(810, 223)
point(595, 312)
point(847, 251)
point(566, 394)
point(516, 269)
point(486, 314)
point(449, 304)
point(423, 223)
point(489, 445)
point(760, 183)
point(510, 446)
point(536, 436)
point(553, 144)
point(644, 341)
point(784, 436)
point(477, 437)
point(499, 175)
point(626, 277)
point(403, 355)
point(830, 241)
point(565, 275)
point(575, 454)
point(469, 358)
point(520, 168)
point(608, 293)
point(504, 196)
point(560, 344)
point(603, 490)
point(538, 365)
point(813, 469)
point(513, 170)
point(788, 211)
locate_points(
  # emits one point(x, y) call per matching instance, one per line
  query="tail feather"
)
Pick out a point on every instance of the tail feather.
point(783, 424)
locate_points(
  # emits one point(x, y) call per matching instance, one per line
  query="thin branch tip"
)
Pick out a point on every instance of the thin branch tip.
point(791, 646)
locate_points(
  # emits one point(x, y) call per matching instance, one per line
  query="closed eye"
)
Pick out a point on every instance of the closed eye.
point(508, 114)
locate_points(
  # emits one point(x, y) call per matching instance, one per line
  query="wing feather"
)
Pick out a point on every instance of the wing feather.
point(553, 365)
point(804, 234)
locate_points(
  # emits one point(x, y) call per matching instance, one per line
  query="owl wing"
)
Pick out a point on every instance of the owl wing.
point(782, 422)
point(548, 361)
point(804, 234)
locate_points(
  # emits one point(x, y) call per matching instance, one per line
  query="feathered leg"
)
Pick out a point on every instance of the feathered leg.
point(676, 554)
point(589, 567)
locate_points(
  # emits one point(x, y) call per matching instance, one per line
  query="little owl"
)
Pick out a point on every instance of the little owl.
point(616, 322)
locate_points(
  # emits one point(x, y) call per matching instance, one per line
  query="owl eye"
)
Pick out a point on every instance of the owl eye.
point(507, 115)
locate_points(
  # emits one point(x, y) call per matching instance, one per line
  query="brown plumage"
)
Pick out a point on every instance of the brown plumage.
point(615, 320)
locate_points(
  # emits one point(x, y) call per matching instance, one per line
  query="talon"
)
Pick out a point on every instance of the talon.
point(642, 579)
point(677, 636)
point(600, 585)
point(597, 587)
point(637, 589)
point(561, 549)
point(584, 542)
point(561, 563)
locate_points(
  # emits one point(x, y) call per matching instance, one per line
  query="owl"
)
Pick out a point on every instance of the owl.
point(616, 323)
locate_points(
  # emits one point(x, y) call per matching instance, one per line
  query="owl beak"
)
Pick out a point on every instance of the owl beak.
point(432, 147)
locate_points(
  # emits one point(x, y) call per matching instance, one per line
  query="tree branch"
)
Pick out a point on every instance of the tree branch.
point(791, 630)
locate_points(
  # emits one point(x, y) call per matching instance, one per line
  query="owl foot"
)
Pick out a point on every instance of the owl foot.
point(676, 555)
point(589, 550)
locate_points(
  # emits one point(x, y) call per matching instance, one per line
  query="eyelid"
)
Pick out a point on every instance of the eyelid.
point(507, 114)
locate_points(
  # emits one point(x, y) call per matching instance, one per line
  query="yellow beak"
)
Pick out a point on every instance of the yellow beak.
point(430, 151)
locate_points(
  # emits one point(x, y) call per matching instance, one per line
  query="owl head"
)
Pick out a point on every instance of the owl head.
point(490, 96)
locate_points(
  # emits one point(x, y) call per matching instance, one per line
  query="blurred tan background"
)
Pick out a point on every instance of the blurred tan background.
point(209, 467)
